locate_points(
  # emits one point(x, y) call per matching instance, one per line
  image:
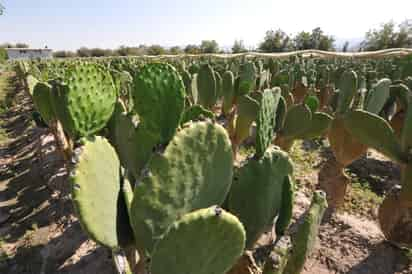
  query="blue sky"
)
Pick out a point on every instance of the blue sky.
point(109, 23)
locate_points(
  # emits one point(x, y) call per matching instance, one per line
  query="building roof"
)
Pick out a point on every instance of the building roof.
point(28, 49)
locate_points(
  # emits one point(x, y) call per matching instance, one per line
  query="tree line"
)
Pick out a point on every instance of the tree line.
point(388, 35)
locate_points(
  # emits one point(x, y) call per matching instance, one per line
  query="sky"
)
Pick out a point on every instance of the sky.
point(68, 25)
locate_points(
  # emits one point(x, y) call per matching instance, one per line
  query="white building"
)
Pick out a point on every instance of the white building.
point(21, 53)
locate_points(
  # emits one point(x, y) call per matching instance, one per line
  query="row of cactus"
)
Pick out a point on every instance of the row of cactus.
point(172, 162)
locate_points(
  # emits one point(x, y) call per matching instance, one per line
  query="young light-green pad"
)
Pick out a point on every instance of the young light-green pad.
point(158, 97)
point(206, 86)
point(84, 100)
point(256, 194)
point(206, 241)
point(304, 239)
point(266, 120)
point(95, 191)
point(195, 171)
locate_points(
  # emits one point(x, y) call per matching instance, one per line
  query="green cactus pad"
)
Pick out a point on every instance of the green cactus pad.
point(266, 121)
point(378, 96)
point(31, 83)
point(375, 132)
point(133, 145)
point(84, 101)
point(297, 121)
point(95, 191)
point(195, 113)
point(41, 100)
point(206, 86)
point(319, 126)
point(195, 171)
point(158, 97)
point(286, 208)
point(247, 110)
point(312, 102)
point(304, 239)
point(280, 114)
point(228, 90)
point(402, 94)
point(206, 241)
point(256, 193)
point(406, 136)
point(219, 85)
point(247, 78)
point(348, 84)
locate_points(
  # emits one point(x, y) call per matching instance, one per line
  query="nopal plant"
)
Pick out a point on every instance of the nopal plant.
point(185, 209)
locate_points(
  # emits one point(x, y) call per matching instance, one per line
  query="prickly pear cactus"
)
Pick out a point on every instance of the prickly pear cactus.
point(246, 113)
point(195, 171)
point(158, 97)
point(228, 91)
point(196, 113)
point(206, 241)
point(133, 144)
point(347, 89)
point(41, 100)
point(247, 78)
point(266, 120)
point(84, 101)
point(96, 193)
point(206, 86)
point(297, 120)
point(304, 239)
point(375, 132)
point(256, 193)
point(378, 96)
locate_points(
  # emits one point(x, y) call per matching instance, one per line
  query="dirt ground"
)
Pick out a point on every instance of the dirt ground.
point(40, 234)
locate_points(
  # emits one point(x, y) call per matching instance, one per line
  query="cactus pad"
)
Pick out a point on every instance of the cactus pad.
point(348, 84)
point(256, 194)
point(247, 111)
point(96, 189)
point(247, 78)
point(378, 96)
point(84, 101)
point(41, 100)
point(374, 131)
point(206, 241)
point(297, 120)
point(196, 112)
point(228, 91)
point(195, 171)
point(206, 86)
point(304, 239)
point(266, 121)
point(158, 97)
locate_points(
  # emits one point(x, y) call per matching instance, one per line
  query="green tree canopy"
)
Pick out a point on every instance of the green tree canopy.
point(275, 41)
point(192, 49)
point(389, 36)
point(209, 46)
point(176, 50)
point(238, 47)
point(313, 40)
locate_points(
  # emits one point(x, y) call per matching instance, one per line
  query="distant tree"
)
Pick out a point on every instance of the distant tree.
point(83, 52)
point(64, 54)
point(209, 46)
point(2, 8)
point(156, 50)
point(303, 40)
point(176, 50)
point(192, 49)
point(275, 41)
point(345, 46)
point(21, 46)
point(3, 55)
point(313, 40)
point(388, 36)
point(238, 47)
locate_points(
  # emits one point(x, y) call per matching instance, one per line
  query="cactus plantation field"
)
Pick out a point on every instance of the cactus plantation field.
point(208, 164)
